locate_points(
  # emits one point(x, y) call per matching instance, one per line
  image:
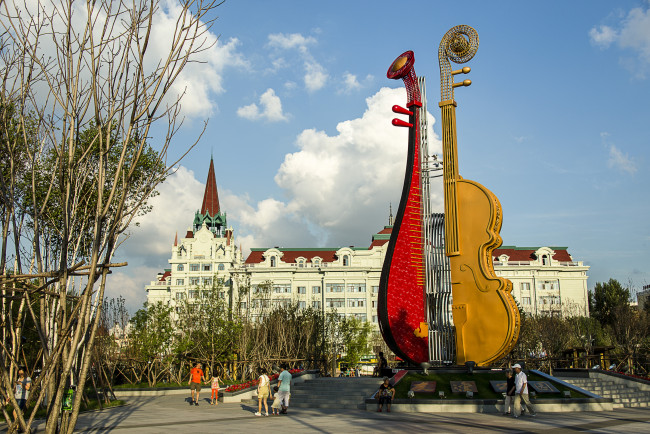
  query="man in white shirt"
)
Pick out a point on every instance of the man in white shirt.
point(521, 392)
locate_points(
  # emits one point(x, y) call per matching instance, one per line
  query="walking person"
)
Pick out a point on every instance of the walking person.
point(263, 391)
point(21, 390)
point(196, 377)
point(277, 405)
point(510, 392)
point(521, 391)
point(284, 388)
point(215, 390)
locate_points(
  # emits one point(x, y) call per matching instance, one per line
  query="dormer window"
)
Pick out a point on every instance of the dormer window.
point(301, 263)
point(544, 260)
point(346, 260)
point(272, 261)
point(316, 262)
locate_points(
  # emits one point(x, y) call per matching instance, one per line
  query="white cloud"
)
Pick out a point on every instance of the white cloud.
point(289, 41)
point(633, 34)
point(179, 198)
point(351, 83)
point(603, 36)
point(315, 76)
point(271, 108)
point(620, 161)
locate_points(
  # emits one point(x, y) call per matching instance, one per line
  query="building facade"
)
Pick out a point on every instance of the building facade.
point(546, 280)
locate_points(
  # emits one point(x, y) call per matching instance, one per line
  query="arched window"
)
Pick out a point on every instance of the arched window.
point(220, 267)
point(180, 267)
point(316, 262)
point(346, 260)
point(272, 261)
point(301, 263)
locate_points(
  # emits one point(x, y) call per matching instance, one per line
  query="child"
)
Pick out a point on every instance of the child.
point(510, 392)
point(215, 390)
point(277, 402)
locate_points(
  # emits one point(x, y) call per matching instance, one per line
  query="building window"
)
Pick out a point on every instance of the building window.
point(194, 267)
point(335, 302)
point(346, 260)
point(193, 294)
point(316, 262)
point(302, 290)
point(525, 301)
point(302, 304)
point(544, 260)
point(374, 304)
point(334, 287)
point(315, 304)
point(525, 286)
point(194, 280)
point(207, 267)
point(180, 282)
point(375, 319)
point(221, 267)
point(282, 289)
point(356, 302)
point(242, 305)
point(356, 287)
point(549, 285)
point(375, 289)
point(301, 263)
point(207, 280)
point(272, 261)
point(315, 289)
point(180, 296)
point(180, 267)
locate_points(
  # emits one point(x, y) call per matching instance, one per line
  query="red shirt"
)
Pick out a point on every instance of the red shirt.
point(196, 374)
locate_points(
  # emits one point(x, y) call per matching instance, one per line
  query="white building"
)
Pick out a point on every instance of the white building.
point(546, 280)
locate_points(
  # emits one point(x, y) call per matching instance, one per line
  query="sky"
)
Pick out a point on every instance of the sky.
point(556, 124)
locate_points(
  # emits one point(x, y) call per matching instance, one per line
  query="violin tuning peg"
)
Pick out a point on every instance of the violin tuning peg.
point(463, 83)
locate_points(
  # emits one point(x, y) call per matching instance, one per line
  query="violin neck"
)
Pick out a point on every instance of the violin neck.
point(450, 176)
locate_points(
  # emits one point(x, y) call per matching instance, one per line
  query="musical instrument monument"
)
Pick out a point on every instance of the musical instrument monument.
point(440, 301)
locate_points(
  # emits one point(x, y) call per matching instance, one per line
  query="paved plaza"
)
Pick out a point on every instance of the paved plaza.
point(173, 414)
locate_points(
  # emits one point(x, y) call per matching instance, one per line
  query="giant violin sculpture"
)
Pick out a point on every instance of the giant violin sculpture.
point(401, 300)
point(485, 315)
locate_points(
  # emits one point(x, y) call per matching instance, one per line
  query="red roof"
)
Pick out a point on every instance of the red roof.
point(290, 256)
point(165, 275)
point(528, 254)
point(211, 196)
point(189, 234)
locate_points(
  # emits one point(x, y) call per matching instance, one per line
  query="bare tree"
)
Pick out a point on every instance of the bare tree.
point(80, 94)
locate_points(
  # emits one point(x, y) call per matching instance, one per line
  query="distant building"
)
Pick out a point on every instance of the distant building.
point(546, 280)
point(642, 297)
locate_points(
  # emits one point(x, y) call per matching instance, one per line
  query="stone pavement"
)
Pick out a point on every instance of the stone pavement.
point(173, 414)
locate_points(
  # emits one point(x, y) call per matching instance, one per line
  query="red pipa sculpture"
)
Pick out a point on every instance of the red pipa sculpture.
point(401, 304)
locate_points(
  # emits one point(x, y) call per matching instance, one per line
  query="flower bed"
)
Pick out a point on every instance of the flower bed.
point(253, 383)
point(640, 377)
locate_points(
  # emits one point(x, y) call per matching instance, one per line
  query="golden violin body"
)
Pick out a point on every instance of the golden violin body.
point(485, 314)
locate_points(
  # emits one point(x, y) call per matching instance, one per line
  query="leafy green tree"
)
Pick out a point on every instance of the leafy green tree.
point(355, 335)
point(606, 298)
point(150, 339)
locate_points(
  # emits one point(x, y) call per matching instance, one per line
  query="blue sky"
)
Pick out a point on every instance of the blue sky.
point(556, 124)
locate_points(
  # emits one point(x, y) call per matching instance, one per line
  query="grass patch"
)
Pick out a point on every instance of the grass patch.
point(482, 380)
point(42, 412)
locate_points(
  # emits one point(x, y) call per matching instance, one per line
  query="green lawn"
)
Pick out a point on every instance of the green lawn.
point(41, 412)
point(482, 380)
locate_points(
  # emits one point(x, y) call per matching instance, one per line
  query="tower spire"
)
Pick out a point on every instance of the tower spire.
point(390, 214)
point(211, 196)
point(176, 240)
